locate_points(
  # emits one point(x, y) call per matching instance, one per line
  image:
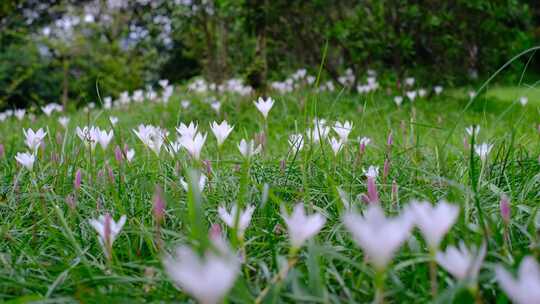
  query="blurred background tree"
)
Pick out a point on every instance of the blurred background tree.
point(72, 52)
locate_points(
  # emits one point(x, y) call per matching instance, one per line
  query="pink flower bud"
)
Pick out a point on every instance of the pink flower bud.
point(118, 154)
point(505, 208)
point(282, 165)
point(386, 170)
point(372, 193)
point(215, 232)
point(208, 167)
point(71, 201)
point(465, 143)
point(390, 140)
point(158, 205)
point(2, 151)
point(110, 173)
point(394, 190)
point(59, 138)
point(78, 180)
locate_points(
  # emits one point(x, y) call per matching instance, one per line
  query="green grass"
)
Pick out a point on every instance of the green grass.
point(49, 252)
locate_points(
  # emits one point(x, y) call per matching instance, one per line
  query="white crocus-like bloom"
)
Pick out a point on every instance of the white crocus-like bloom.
point(472, 94)
point(434, 221)
point(319, 132)
point(34, 139)
point(88, 135)
point(113, 120)
point(264, 105)
point(244, 218)
point(378, 235)
point(248, 149)
point(107, 230)
point(372, 171)
point(193, 144)
point(364, 141)
point(438, 90)
point(173, 147)
point(187, 130)
point(483, 150)
point(207, 278)
point(411, 95)
point(422, 93)
point(471, 129)
point(336, 145)
point(409, 81)
point(130, 154)
point(152, 137)
point(216, 106)
point(221, 131)
point(296, 142)
point(48, 109)
point(202, 183)
point(461, 262)
point(104, 138)
point(185, 104)
point(398, 100)
point(302, 227)
point(26, 160)
point(524, 289)
point(523, 100)
point(64, 121)
point(19, 113)
point(343, 130)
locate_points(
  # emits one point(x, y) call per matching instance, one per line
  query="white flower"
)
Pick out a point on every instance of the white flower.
point(104, 138)
point(221, 131)
point(26, 160)
point(202, 183)
point(130, 154)
point(48, 109)
point(185, 104)
point(152, 137)
point(216, 106)
point(64, 121)
point(422, 93)
point(523, 100)
point(526, 288)
point(89, 136)
point(19, 113)
point(472, 94)
point(336, 145)
point(364, 141)
point(107, 230)
point(163, 83)
point(461, 262)
point(438, 89)
point(320, 131)
point(398, 100)
point(173, 147)
point(189, 130)
point(301, 226)
point(411, 95)
point(378, 235)
point(409, 81)
point(372, 172)
point(207, 278)
point(434, 221)
point(244, 218)
point(343, 130)
point(296, 142)
point(34, 139)
point(193, 144)
point(113, 120)
point(483, 150)
point(247, 149)
point(264, 106)
point(470, 129)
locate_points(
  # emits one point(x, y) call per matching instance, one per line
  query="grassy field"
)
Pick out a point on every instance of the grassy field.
point(50, 252)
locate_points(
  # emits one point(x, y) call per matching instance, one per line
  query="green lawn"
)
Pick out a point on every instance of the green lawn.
point(49, 251)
